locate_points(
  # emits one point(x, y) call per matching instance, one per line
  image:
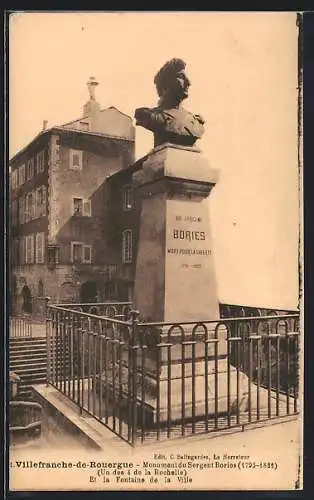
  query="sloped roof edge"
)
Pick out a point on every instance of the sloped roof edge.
point(100, 111)
point(65, 130)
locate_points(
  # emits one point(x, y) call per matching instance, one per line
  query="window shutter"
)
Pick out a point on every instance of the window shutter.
point(32, 248)
point(87, 208)
point(27, 245)
point(37, 248)
point(26, 249)
point(44, 200)
point(42, 158)
point(38, 208)
point(127, 246)
point(23, 212)
point(87, 253)
point(42, 248)
point(34, 204)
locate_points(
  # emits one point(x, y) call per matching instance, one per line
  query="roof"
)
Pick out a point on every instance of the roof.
point(84, 117)
point(62, 129)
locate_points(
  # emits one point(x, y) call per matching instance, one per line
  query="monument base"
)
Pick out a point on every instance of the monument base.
point(181, 394)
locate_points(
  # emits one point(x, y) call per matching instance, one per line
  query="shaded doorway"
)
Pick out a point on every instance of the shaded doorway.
point(88, 292)
point(27, 300)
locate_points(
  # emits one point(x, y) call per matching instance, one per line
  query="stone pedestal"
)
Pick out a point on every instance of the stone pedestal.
point(175, 276)
point(174, 283)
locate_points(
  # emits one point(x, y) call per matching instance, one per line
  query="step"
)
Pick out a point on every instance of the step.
point(28, 387)
point(27, 338)
point(29, 370)
point(26, 392)
point(16, 367)
point(27, 341)
point(34, 347)
point(42, 354)
point(23, 357)
point(28, 379)
point(26, 350)
point(27, 347)
point(21, 363)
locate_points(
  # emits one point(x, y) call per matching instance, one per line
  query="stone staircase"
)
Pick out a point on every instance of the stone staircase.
point(28, 359)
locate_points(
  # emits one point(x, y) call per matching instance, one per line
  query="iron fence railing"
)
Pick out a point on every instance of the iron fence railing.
point(118, 310)
point(154, 381)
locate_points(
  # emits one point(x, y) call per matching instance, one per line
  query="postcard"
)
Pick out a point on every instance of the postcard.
point(155, 336)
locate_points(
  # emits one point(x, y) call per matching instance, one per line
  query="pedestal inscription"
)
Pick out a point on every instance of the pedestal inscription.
point(175, 276)
point(190, 283)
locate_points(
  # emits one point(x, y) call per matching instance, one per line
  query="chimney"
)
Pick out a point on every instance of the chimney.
point(45, 124)
point(92, 106)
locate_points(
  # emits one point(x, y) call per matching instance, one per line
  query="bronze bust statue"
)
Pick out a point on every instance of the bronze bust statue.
point(169, 121)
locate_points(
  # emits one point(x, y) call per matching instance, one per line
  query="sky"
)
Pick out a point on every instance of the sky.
point(243, 71)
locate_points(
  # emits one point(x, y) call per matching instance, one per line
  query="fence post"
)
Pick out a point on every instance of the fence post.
point(48, 340)
point(134, 318)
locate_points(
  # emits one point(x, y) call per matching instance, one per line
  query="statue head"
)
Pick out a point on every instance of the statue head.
point(172, 83)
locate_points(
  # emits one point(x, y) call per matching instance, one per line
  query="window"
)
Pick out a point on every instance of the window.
point(127, 246)
point(22, 251)
point(29, 249)
point(22, 209)
point(14, 213)
point(30, 168)
point(40, 161)
point(81, 207)
point(81, 253)
point(40, 248)
point(77, 252)
point(77, 206)
point(41, 194)
point(30, 206)
point(128, 198)
point(21, 175)
point(52, 255)
point(14, 179)
point(76, 159)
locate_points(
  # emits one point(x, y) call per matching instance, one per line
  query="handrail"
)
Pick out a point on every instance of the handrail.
point(170, 323)
point(89, 315)
point(77, 304)
point(221, 320)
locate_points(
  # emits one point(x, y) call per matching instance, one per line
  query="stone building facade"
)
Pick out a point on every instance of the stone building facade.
point(63, 242)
